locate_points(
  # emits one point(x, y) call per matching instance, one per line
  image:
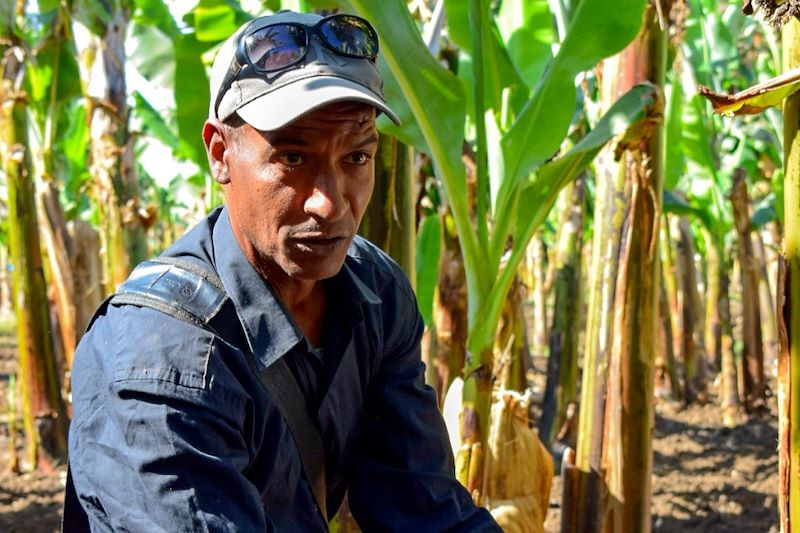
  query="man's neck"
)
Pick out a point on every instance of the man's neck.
point(306, 302)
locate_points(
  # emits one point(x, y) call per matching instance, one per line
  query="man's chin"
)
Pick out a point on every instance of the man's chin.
point(316, 270)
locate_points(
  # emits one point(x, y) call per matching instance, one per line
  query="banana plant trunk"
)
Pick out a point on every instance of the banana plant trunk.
point(730, 391)
point(671, 308)
point(713, 322)
point(58, 245)
point(671, 276)
point(629, 416)
point(389, 220)
point(537, 277)
point(666, 366)
point(690, 334)
point(116, 188)
point(44, 414)
point(5, 283)
point(449, 310)
point(766, 297)
point(789, 302)
point(562, 362)
point(611, 208)
point(753, 351)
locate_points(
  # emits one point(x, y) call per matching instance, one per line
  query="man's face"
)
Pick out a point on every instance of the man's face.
point(296, 195)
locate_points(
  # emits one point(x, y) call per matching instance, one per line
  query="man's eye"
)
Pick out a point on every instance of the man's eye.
point(291, 159)
point(360, 158)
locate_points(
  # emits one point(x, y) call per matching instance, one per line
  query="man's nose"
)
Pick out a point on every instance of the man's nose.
point(327, 201)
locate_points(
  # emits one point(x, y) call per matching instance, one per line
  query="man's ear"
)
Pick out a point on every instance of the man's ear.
point(216, 144)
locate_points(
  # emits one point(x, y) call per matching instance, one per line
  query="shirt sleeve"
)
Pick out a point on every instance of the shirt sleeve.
point(160, 447)
point(403, 478)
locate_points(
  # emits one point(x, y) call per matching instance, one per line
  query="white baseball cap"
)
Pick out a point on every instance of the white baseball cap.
point(271, 100)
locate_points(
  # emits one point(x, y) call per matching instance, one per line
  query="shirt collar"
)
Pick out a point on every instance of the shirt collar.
point(270, 330)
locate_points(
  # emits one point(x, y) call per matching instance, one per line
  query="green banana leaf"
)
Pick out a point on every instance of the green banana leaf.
point(155, 13)
point(526, 27)
point(599, 28)
point(216, 20)
point(191, 95)
point(429, 242)
point(154, 123)
point(675, 161)
point(540, 193)
point(543, 123)
point(499, 71)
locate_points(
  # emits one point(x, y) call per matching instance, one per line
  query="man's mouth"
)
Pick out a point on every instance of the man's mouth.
point(319, 244)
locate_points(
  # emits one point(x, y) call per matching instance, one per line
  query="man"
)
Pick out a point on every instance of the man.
point(175, 427)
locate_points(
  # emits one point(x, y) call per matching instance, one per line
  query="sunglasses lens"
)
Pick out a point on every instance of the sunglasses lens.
point(276, 47)
point(350, 36)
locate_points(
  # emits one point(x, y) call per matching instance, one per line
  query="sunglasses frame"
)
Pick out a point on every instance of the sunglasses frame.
point(241, 58)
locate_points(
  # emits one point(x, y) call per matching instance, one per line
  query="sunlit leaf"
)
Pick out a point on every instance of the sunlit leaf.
point(215, 20)
point(639, 105)
point(499, 71)
point(675, 162)
point(154, 123)
point(428, 252)
point(526, 27)
point(155, 13)
point(153, 54)
point(542, 125)
point(191, 95)
point(696, 139)
point(757, 98)
point(599, 28)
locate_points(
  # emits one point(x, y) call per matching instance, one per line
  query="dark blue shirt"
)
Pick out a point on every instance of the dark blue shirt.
point(172, 430)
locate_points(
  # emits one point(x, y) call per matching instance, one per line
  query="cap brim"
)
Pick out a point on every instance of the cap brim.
point(278, 108)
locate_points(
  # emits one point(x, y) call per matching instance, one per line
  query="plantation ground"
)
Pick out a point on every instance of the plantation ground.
point(707, 478)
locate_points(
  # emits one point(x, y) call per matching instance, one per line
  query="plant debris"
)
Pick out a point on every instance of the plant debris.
point(776, 12)
point(756, 98)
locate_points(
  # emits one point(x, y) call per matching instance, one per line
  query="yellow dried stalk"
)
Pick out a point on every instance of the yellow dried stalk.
point(519, 470)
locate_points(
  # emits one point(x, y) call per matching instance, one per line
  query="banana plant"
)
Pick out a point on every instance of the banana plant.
point(25, 77)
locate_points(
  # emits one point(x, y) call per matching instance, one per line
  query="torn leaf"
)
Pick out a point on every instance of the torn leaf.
point(756, 98)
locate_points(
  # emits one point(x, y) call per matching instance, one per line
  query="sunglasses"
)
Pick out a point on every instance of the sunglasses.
point(278, 46)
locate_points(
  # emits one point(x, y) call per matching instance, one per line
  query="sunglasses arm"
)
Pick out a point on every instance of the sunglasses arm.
point(233, 71)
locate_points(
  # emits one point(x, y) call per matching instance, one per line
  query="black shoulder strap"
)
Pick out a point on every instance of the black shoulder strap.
point(73, 518)
point(188, 290)
point(283, 388)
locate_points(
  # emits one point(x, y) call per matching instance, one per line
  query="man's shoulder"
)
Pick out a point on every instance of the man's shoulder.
point(131, 341)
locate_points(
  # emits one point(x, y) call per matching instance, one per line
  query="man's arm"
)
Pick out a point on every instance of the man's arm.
point(403, 478)
point(154, 445)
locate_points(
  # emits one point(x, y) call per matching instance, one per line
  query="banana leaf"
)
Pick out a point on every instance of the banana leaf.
point(640, 104)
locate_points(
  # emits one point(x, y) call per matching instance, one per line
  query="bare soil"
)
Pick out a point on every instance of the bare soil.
point(710, 478)
point(706, 478)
